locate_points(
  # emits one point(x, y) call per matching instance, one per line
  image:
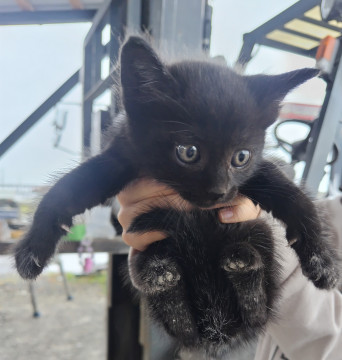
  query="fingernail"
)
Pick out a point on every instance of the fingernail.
point(225, 215)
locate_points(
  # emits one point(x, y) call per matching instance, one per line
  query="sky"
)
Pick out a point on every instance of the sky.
point(36, 59)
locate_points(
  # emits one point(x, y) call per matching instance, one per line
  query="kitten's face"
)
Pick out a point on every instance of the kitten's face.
point(198, 127)
point(207, 145)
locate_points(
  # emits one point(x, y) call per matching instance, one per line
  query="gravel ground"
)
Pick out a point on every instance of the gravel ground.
point(66, 330)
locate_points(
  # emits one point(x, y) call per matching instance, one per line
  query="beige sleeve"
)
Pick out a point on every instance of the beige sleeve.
point(309, 323)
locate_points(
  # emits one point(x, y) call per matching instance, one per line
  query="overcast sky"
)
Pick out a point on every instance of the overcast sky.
point(35, 60)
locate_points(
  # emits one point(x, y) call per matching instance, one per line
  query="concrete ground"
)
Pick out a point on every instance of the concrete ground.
point(66, 330)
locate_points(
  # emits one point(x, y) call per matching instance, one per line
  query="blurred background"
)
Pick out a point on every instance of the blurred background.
point(56, 62)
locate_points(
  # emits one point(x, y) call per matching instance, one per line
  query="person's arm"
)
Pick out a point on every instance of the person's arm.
point(308, 324)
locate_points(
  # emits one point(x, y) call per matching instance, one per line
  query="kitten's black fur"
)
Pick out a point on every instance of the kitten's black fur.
point(186, 103)
point(212, 286)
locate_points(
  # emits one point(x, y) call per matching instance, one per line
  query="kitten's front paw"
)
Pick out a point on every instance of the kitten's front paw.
point(322, 271)
point(241, 258)
point(35, 250)
point(152, 275)
point(29, 262)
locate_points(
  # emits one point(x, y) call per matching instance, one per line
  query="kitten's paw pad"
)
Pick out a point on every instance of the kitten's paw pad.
point(241, 260)
point(322, 271)
point(155, 275)
point(167, 279)
point(234, 265)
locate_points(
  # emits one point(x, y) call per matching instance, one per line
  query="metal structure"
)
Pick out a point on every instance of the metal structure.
point(173, 32)
point(165, 21)
point(162, 19)
point(299, 30)
point(32, 119)
point(24, 12)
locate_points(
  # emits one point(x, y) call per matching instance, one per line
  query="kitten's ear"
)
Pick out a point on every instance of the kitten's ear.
point(270, 90)
point(145, 80)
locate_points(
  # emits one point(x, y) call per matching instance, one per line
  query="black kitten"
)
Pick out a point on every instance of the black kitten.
point(212, 286)
point(199, 128)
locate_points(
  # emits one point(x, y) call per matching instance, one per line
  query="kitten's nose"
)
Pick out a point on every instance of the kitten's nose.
point(215, 196)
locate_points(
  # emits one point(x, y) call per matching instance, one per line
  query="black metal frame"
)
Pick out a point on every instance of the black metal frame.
point(134, 16)
point(117, 14)
point(123, 315)
point(121, 15)
point(257, 36)
point(325, 133)
point(32, 119)
point(43, 17)
point(321, 140)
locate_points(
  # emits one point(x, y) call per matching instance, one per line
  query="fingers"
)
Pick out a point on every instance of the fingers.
point(141, 241)
point(242, 209)
point(139, 197)
point(137, 241)
point(143, 191)
point(144, 194)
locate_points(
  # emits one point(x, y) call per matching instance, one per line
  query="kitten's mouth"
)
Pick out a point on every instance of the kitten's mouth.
point(229, 200)
point(218, 206)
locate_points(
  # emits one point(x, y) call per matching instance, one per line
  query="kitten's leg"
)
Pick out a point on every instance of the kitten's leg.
point(86, 186)
point(274, 192)
point(157, 276)
point(151, 274)
point(245, 269)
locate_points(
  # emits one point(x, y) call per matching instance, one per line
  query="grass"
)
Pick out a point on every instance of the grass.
point(95, 278)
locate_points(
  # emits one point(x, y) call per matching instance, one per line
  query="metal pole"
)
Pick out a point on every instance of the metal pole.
point(65, 283)
point(36, 313)
point(322, 145)
point(39, 113)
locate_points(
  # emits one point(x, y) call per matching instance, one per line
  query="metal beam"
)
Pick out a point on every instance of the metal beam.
point(46, 17)
point(324, 132)
point(288, 48)
point(98, 19)
point(39, 112)
point(298, 33)
point(295, 11)
point(245, 55)
point(258, 36)
point(320, 23)
point(101, 86)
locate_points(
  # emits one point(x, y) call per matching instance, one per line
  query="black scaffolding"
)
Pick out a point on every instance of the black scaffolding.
point(299, 30)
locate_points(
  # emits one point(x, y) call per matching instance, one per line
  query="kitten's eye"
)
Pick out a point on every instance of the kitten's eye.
point(241, 158)
point(187, 153)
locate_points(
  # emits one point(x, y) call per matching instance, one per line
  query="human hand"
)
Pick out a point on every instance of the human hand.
point(145, 193)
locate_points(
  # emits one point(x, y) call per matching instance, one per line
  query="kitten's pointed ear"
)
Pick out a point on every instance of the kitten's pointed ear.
point(145, 80)
point(270, 90)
